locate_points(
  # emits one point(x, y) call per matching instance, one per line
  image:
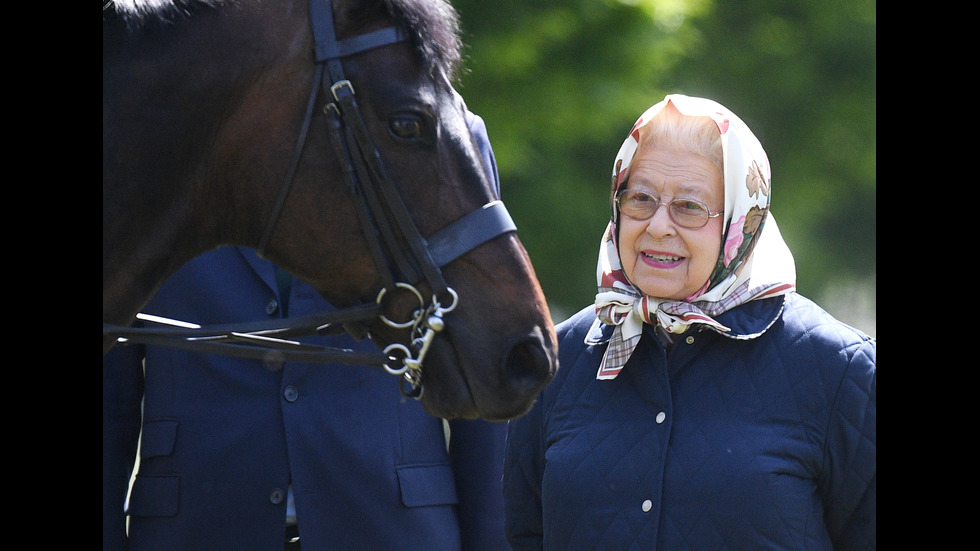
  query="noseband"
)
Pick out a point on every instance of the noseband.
point(386, 223)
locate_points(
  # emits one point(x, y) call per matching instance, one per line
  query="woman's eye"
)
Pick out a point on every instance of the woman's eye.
point(406, 127)
point(693, 207)
point(642, 199)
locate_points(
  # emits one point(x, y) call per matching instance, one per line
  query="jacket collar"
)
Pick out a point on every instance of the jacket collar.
point(263, 268)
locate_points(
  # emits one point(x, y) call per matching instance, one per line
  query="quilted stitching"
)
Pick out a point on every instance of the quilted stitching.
point(758, 437)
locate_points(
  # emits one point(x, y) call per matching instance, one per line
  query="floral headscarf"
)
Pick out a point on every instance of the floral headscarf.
point(753, 263)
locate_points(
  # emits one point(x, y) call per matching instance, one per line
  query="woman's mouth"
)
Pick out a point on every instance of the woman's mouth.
point(661, 260)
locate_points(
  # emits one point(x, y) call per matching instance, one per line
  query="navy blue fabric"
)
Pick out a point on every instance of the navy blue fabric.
point(224, 438)
point(764, 443)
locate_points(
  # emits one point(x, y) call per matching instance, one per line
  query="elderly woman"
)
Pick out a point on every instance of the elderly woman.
point(701, 402)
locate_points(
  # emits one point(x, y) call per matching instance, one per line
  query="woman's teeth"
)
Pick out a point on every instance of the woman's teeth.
point(662, 257)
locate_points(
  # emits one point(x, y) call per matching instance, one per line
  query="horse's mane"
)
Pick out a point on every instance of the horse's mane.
point(434, 24)
point(138, 12)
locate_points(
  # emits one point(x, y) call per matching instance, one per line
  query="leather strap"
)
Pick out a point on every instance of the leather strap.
point(469, 232)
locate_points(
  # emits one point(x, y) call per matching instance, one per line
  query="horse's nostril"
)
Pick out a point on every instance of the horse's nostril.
point(527, 364)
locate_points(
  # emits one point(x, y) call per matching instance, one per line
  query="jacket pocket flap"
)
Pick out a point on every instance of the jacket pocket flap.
point(423, 485)
point(154, 496)
point(158, 438)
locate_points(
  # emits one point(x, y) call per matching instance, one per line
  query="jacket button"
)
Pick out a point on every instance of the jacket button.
point(276, 496)
point(290, 393)
point(647, 505)
point(660, 417)
point(272, 307)
point(689, 339)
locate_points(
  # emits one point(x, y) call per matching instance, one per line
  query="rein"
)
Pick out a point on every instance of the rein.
point(382, 214)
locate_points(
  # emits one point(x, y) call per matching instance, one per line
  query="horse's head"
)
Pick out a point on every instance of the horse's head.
point(498, 348)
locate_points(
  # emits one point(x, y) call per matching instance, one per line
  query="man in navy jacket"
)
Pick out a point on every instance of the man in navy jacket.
point(234, 452)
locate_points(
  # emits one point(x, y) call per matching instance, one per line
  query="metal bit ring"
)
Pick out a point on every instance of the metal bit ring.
point(406, 324)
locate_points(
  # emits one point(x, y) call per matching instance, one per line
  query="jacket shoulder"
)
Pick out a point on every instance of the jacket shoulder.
point(576, 325)
point(803, 319)
point(574, 354)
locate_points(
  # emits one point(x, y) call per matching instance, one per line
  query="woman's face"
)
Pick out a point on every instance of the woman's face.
point(662, 258)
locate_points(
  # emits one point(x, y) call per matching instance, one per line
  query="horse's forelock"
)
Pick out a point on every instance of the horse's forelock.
point(435, 25)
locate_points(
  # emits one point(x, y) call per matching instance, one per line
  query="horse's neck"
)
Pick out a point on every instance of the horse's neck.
point(146, 249)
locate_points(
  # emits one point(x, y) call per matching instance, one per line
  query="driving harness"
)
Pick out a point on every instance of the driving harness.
point(382, 214)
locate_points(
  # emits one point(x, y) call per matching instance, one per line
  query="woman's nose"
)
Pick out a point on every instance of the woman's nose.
point(661, 223)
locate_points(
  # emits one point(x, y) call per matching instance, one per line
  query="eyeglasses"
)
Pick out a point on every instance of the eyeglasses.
point(640, 205)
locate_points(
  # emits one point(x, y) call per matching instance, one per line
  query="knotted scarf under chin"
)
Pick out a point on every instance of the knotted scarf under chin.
point(627, 313)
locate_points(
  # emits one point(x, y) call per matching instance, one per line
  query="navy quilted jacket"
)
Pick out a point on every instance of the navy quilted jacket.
point(724, 444)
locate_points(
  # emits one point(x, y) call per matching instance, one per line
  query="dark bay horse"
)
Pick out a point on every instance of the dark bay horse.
point(214, 133)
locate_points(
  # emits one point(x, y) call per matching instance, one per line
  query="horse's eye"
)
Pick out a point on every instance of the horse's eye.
point(406, 126)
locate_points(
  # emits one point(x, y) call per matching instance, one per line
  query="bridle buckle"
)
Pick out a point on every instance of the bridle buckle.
point(337, 86)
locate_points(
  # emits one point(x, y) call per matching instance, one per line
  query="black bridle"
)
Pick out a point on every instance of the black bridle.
point(386, 223)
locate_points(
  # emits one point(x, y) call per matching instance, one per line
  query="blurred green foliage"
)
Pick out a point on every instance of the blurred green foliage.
point(560, 83)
